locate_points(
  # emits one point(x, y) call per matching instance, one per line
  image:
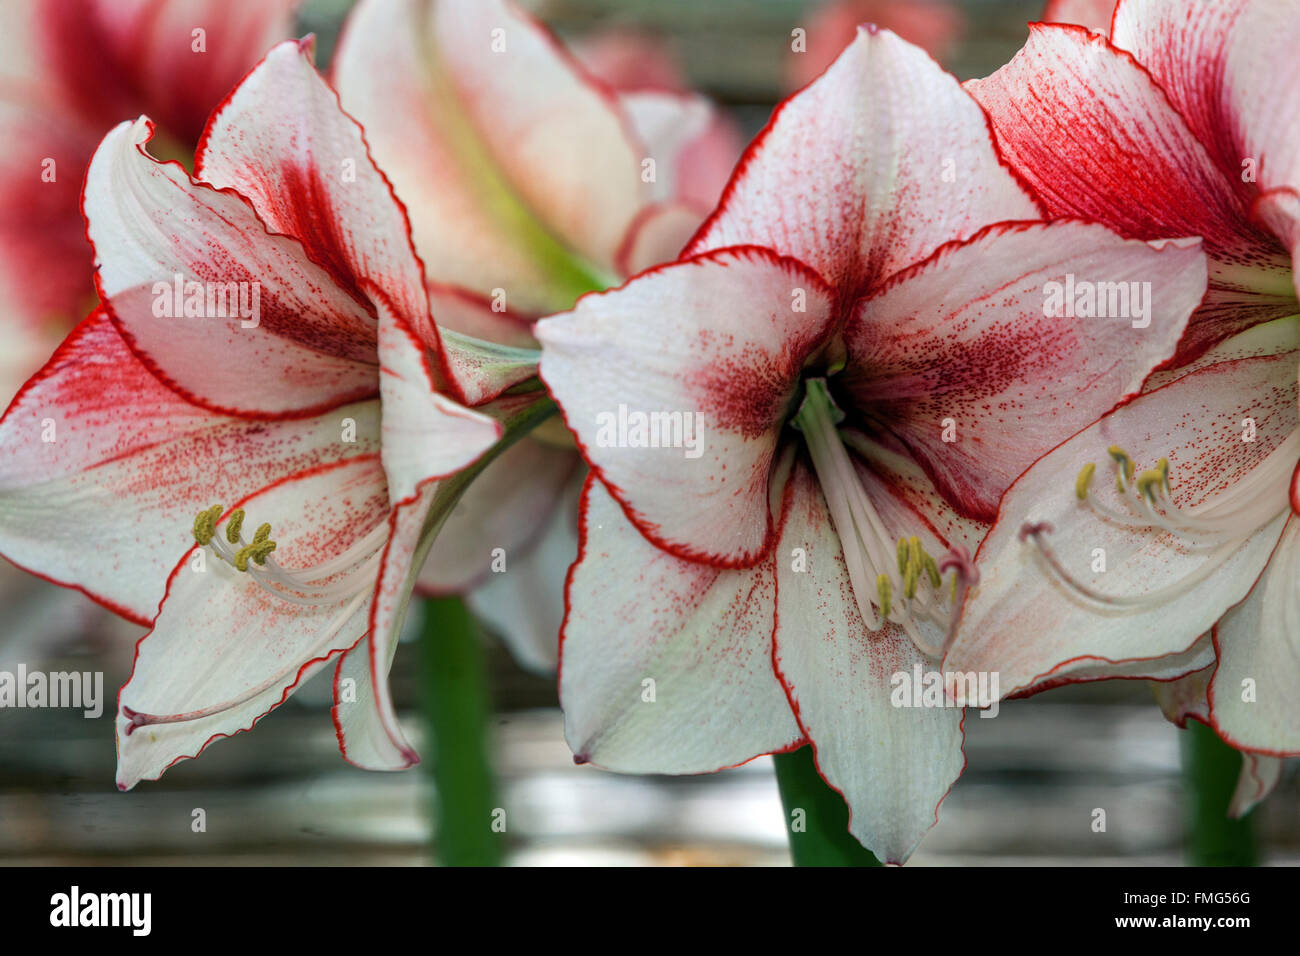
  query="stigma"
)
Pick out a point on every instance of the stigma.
point(893, 580)
point(1143, 502)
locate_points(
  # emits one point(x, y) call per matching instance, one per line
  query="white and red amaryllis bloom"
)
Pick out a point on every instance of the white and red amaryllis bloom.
point(857, 340)
point(1172, 124)
point(528, 183)
point(265, 343)
point(69, 71)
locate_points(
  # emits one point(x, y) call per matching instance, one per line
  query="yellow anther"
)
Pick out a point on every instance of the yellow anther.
point(1149, 478)
point(910, 578)
point(885, 591)
point(205, 524)
point(262, 534)
point(1124, 473)
point(932, 571)
point(1083, 481)
point(1163, 466)
point(915, 552)
point(902, 555)
point(234, 524)
point(257, 551)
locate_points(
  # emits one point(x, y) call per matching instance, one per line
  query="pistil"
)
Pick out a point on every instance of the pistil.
point(896, 582)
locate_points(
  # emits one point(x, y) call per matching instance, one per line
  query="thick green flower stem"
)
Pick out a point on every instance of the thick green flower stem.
point(816, 817)
point(1210, 769)
point(470, 825)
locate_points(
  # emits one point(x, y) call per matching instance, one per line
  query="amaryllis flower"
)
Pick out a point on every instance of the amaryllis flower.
point(301, 441)
point(858, 340)
point(72, 69)
point(1184, 500)
point(528, 183)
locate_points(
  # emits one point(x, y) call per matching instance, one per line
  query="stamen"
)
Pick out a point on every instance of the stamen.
point(885, 576)
point(1214, 529)
point(337, 579)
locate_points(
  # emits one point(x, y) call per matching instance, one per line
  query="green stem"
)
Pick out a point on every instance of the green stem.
point(816, 817)
point(1210, 769)
point(470, 825)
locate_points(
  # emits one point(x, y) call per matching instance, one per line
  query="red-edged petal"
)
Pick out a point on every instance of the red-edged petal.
point(103, 468)
point(1023, 623)
point(305, 345)
point(868, 170)
point(1160, 671)
point(220, 637)
point(1096, 137)
point(966, 338)
point(1253, 702)
point(282, 140)
point(515, 166)
point(893, 764)
point(1188, 698)
point(1259, 776)
point(666, 665)
point(426, 438)
point(719, 341)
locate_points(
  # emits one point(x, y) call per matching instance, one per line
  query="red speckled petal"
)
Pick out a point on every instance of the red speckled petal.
point(282, 140)
point(718, 340)
point(219, 635)
point(893, 764)
point(1230, 68)
point(1023, 623)
point(666, 665)
point(962, 341)
point(1097, 138)
point(1258, 643)
point(284, 339)
point(514, 166)
point(102, 468)
point(868, 170)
